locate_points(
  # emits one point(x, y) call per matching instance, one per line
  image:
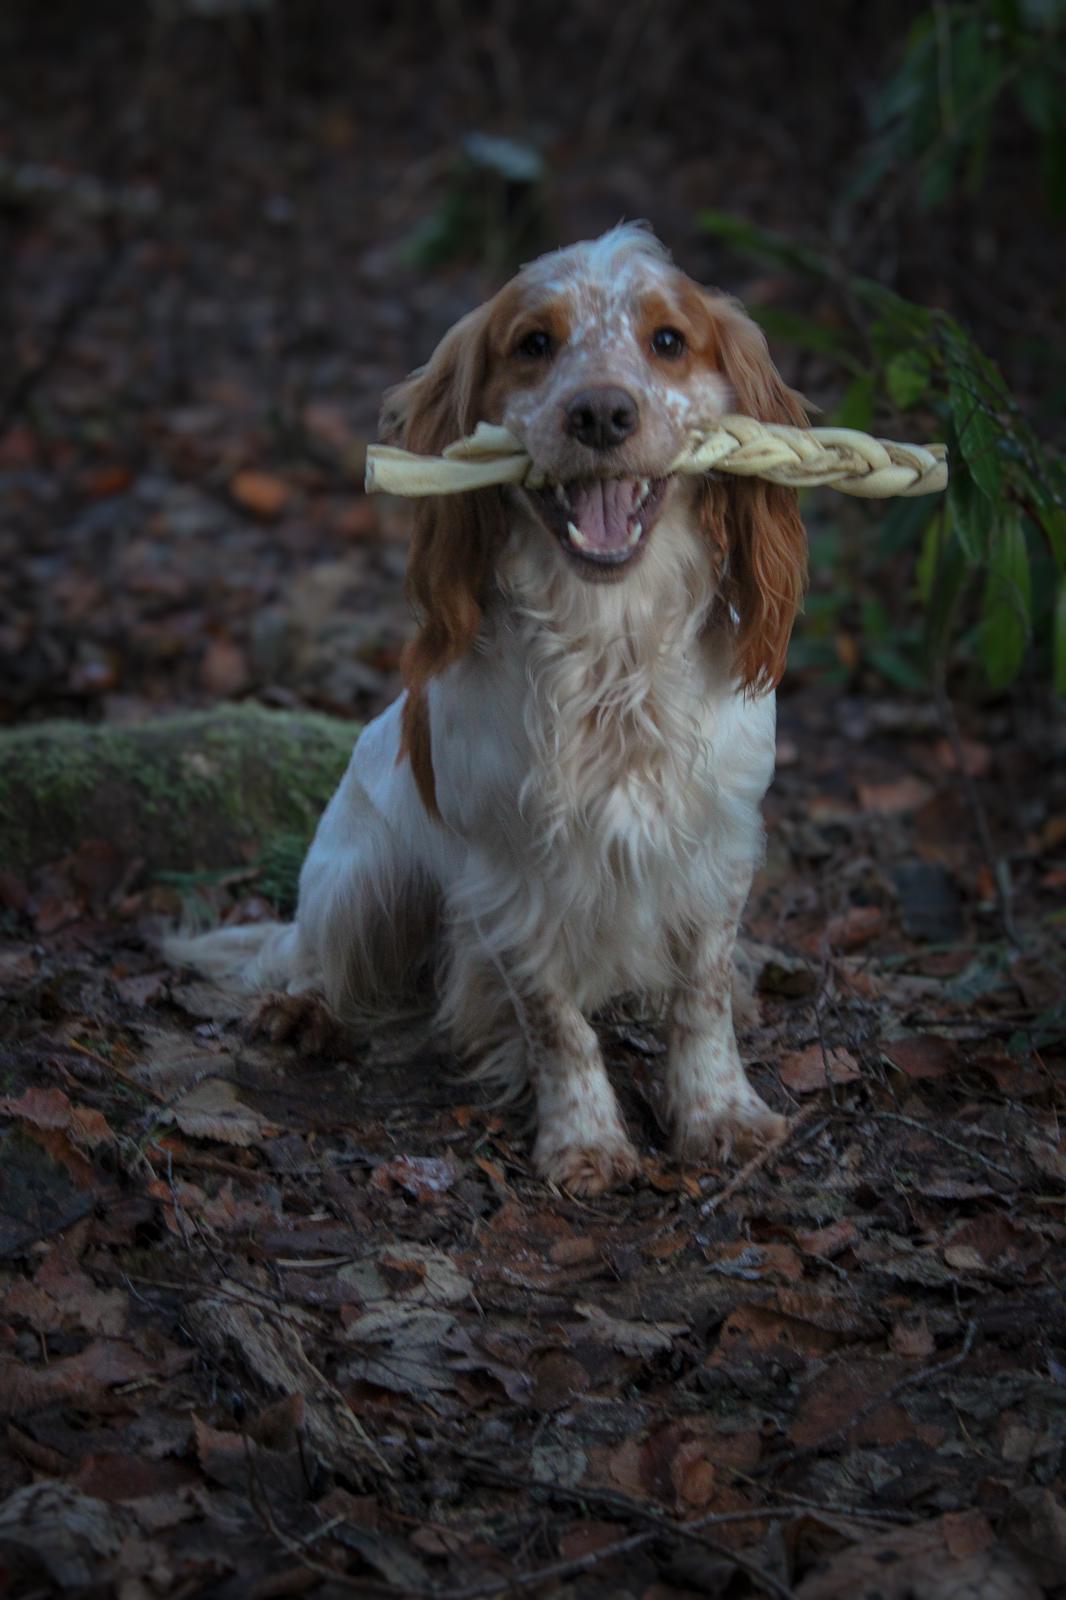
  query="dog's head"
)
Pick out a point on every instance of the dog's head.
point(604, 360)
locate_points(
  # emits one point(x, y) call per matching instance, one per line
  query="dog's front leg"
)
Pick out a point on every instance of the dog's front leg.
point(581, 1143)
point(713, 1109)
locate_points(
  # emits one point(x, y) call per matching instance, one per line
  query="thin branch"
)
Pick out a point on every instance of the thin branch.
point(762, 1159)
point(942, 1138)
point(839, 1435)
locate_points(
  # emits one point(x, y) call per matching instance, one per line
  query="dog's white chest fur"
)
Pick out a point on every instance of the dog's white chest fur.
point(604, 823)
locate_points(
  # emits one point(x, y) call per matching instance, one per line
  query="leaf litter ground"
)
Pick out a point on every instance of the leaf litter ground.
point(282, 1317)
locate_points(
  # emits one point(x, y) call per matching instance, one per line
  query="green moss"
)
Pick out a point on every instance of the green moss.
point(195, 789)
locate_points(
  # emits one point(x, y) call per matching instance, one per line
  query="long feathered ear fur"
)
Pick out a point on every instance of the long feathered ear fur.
point(455, 539)
point(756, 525)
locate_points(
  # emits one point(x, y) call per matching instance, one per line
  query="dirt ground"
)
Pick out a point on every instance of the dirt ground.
point(289, 1315)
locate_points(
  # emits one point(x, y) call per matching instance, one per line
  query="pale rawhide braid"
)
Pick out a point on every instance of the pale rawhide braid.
point(799, 458)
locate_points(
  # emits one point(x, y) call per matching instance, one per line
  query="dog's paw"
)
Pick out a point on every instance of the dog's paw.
point(714, 1133)
point(588, 1169)
point(302, 1021)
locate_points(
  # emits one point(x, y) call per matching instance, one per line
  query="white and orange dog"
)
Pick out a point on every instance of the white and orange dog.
point(564, 804)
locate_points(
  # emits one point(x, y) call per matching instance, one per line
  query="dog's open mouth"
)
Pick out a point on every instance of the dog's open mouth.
point(601, 522)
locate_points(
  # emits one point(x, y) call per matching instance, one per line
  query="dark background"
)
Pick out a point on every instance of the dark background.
point(225, 229)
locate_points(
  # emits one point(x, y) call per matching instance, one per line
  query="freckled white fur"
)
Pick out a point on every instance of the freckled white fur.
point(599, 779)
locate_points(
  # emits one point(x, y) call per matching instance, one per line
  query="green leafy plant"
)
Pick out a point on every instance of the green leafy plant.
point(964, 68)
point(990, 555)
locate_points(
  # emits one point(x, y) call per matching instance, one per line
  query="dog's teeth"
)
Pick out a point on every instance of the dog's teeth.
point(634, 534)
point(644, 485)
point(576, 536)
point(560, 495)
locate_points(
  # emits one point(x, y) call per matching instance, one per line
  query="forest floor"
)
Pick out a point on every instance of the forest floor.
point(280, 1319)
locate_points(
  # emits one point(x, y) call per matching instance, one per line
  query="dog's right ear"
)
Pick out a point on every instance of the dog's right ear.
point(441, 402)
point(456, 538)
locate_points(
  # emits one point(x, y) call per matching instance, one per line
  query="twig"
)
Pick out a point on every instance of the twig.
point(555, 1571)
point(612, 1499)
point(838, 1435)
point(952, 1144)
point(761, 1159)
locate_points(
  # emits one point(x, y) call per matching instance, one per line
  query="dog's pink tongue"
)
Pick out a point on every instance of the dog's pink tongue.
point(602, 509)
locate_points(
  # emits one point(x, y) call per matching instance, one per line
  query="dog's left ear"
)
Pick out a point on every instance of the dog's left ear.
point(754, 525)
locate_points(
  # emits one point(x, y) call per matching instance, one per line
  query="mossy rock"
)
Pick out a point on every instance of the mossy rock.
point(191, 792)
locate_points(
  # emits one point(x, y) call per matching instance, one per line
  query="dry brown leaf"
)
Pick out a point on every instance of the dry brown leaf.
point(212, 1111)
point(261, 493)
point(1034, 1528)
point(84, 1378)
point(583, 1538)
point(830, 1400)
point(424, 1177)
point(224, 668)
point(827, 1242)
point(912, 1340)
point(923, 1055)
point(69, 1533)
point(63, 1296)
point(693, 1475)
point(272, 1350)
point(993, 1243)
point(893, 799)
point(809, 1070)
point(557, 1381)
point(916, 1564)
point(855, 927)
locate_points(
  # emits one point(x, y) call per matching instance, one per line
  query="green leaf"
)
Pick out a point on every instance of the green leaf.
point(971, 516)
point(1006, 615)
point(896, 669)
point(977, 430)
point(903, 525)
point(779, 323)
point(907, 378)
point(943, 575)
point(1059, 640)
point(856, 410)
point(764, 243)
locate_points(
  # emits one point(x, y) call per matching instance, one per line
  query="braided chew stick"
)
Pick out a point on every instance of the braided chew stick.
point(853, 462)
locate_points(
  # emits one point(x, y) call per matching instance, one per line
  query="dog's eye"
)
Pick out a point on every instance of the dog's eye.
point(668, 342)
point(536, 345)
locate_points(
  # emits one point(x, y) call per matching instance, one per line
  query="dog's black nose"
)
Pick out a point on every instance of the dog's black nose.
point(602, 418)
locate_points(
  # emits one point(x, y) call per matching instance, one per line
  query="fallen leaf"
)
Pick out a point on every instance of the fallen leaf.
point(1034, 1528)
point(855, 927)
point(69, 1533)
point(831, 1399)
point(994, 1243)
point(585, 1538)
point(631, 1338)
point(912, 1340)
point(829, 1241)
point(916, 1564)
point(261, 493)
point(809, 1070)
point(922, 1055)
point(976, 758)
point(224, 668)
point(893, 799)
point(212, 1111)
point(424, 1177)
point(557, 1381)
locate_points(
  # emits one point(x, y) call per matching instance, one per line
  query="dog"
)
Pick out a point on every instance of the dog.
point(564, 804)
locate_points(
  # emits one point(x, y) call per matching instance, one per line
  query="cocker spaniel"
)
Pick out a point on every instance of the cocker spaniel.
point(563, 805)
